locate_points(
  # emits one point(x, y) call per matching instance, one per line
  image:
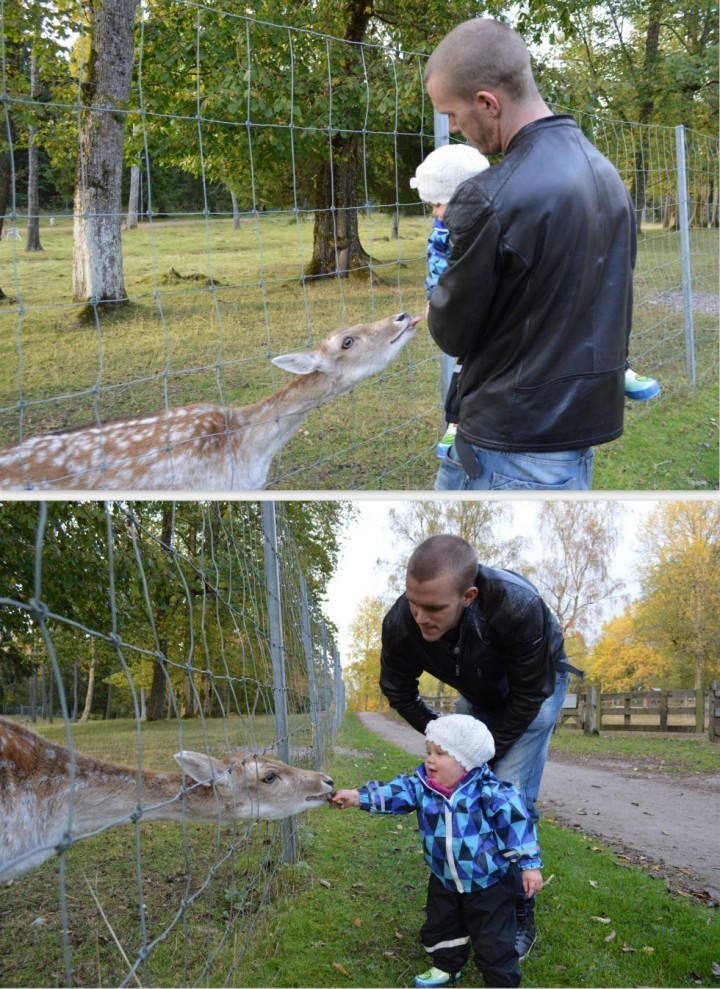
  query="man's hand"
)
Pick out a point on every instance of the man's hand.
point(532, 882)
point(347, 798)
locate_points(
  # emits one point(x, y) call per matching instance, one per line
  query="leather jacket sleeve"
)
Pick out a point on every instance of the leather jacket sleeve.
point(457, 318)
point(400, 677)
point(530, 673)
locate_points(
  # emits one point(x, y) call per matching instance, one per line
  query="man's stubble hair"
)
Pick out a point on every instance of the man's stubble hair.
point(444, 554)
point(483, 54)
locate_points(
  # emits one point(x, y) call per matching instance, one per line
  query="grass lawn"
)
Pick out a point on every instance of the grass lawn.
point(210, 305)
point(679, 754)
point(348, 914)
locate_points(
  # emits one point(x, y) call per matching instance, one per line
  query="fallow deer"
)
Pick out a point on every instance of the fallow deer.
point(43, 802)
point(206, 447)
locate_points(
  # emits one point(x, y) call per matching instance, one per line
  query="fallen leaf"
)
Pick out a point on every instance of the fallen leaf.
point(358, 922)
point(626, 948)
point(648, 950)
point(594, 884)
point(611, 937)
point(342, 969)
point(716, 970)
point(601, 920)
point(398, 935)
point(325, 883)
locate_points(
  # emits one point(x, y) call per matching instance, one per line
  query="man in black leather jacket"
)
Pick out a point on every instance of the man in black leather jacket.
point(537, 296)
point(487, 633)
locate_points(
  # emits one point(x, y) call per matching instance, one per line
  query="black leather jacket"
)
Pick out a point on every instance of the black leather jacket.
point(537, 296)
point(502, 657)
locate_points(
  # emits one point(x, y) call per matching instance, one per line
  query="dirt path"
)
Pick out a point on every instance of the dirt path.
point(670, 828)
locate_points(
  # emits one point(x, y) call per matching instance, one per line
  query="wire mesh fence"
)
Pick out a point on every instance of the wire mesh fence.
point(143, 630)
point(267, 168)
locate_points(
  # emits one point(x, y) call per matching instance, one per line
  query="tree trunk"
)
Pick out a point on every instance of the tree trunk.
point(33, 214)
point(5, 175)
point(131, 220)
point(156, 702)
point(336, 242)
point(647, 106)
point(85, 716)
point(235, 211)
point(97, 249)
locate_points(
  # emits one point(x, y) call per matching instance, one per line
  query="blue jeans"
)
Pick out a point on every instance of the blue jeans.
point(524, 761)
point(566, 470)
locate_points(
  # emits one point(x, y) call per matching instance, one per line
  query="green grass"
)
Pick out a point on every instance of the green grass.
point(180, 342)
point(675, 754)
point(360, 906)
point(347, 914)
point(673, 446)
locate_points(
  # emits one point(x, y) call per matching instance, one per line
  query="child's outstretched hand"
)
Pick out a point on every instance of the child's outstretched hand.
point(532, 881)
point(346, 798)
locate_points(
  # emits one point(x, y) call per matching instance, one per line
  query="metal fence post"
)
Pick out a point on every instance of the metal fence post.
point(327, 697)
point(442, 137)
point(685, 262)
point(306, 635)
point(277, 650)
point(339, 689)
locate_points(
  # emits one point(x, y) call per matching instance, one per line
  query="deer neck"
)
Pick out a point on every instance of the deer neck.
point(114, 793)
point(260, 430)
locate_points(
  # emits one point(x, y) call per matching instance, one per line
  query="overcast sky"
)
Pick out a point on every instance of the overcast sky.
point(369, 539)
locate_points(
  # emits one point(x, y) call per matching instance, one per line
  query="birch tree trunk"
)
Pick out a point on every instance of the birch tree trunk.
point(235, 211)
point(131, 220)
point(33, 214)
point(97, 250)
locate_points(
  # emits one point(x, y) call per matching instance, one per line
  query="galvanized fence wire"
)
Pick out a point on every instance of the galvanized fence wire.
point(170, 615)
point(286, 119)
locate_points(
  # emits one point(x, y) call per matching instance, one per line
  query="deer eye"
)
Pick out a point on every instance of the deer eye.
point(269, 777)
point(348, 342)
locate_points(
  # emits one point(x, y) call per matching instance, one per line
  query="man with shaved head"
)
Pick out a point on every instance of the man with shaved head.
point(537, 294)
point(487, 633)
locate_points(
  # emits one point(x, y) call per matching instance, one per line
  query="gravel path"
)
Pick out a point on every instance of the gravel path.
point(669, 827)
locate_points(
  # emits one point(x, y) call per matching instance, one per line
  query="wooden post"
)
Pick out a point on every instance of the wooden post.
point(627, 714)
point(714, 719)
point(700, 711)
point(591, 705)
point(663, 710)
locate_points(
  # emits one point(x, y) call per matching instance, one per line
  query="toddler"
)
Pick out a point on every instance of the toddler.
point(478, 842)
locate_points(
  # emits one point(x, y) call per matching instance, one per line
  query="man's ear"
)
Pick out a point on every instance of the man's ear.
point(488, 102)
point(469, 596)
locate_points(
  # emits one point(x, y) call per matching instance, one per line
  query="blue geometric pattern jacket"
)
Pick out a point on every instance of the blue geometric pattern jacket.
point(470, 838)
point(436, 255)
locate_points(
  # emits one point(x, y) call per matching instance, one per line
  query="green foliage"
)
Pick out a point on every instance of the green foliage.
point(156, 586)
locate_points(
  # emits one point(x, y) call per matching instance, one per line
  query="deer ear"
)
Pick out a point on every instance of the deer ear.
point(202, 768)
point(302, 363)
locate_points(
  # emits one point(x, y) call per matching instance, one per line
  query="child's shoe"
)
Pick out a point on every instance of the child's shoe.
point(436, 977)
point(447, 441)
point(640, 387)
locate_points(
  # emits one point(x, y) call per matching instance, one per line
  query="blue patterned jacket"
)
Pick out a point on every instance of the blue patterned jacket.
point(436, 255)
point(470, 838)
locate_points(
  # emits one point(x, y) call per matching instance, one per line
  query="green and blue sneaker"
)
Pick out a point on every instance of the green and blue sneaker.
point(640, 387)
point(436, 977)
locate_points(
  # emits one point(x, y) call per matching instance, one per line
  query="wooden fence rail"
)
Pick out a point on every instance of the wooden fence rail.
point(691, 711)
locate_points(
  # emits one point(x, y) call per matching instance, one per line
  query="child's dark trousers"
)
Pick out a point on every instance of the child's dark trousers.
point(484, 920)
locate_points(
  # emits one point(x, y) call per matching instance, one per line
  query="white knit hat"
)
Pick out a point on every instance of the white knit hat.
point(463, 737)
point(437, 178)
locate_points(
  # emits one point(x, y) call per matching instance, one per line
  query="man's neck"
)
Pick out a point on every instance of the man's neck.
point(518, 117)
